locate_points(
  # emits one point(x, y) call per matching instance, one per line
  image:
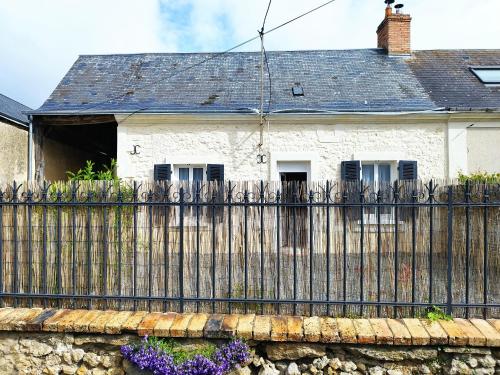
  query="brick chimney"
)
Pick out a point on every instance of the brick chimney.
point(394, 31)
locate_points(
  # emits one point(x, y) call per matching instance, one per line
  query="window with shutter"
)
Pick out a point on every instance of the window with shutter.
point(162, 172)
point(215, 172)
point(350, 170)
point(407, 170)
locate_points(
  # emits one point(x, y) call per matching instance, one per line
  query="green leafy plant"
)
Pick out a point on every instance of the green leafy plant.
point(87, 173)
point(479, 177)
point(181, 353)
point(435, 314)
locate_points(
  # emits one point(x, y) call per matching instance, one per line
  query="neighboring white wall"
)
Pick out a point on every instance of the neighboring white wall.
point(483, 149)
point(473, 146)
point(232, 141)
point(14, 152)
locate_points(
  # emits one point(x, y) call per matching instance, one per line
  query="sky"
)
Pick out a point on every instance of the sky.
point(41, 39)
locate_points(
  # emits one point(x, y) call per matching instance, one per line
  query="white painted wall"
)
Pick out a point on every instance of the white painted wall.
point(483, 149)
point(473, 146)
point(233, 140)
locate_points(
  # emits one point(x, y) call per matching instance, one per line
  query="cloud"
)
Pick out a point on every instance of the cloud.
point(40, 39)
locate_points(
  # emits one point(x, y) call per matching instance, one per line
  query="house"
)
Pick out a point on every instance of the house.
point(13, 140)
point(377, 114)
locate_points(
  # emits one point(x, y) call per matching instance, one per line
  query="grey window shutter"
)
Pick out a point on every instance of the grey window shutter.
point(407, 170)
point(162, 172)
point(215, 172)
point(350, 170)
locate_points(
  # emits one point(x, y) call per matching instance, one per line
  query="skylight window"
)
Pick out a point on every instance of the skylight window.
point(297, 90)
point(489, 75)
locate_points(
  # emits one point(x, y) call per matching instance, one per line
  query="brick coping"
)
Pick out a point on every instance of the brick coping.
point(383, 331)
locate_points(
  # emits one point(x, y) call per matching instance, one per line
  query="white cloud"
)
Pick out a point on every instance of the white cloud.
point(40, 39)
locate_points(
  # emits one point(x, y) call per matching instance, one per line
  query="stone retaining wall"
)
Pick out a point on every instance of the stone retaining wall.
point(64, 353)
point(37, 341)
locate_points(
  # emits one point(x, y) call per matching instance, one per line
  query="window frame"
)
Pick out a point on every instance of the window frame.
point(476, 69)
point(177, 167)
point(385, 218)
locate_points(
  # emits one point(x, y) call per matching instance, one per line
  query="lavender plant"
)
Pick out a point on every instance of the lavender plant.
point(160, 358)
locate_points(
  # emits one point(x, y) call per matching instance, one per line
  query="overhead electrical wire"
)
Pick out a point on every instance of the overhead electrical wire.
point(210, 58)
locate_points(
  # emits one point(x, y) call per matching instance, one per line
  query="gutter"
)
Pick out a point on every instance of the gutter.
point(30, 148)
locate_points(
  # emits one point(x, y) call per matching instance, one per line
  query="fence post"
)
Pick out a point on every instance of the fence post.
point(15, 254)
point(486, 199)
point(449, 299)
point(181, 249)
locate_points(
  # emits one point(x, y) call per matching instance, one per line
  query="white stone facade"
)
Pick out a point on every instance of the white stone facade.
point(320, 143)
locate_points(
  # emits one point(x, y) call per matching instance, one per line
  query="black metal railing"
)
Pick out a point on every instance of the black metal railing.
point(318, 248)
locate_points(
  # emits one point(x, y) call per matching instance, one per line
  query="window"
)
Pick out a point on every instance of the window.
point(189, 172)
point(489, 75)
point(376, 176)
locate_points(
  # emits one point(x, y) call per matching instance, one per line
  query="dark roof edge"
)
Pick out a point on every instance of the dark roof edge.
point(242, 111)
point(16, 120)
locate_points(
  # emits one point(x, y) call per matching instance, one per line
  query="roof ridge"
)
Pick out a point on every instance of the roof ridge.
point(222, 52)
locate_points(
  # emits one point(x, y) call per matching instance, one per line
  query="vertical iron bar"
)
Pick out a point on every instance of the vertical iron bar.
point(361, 248)
point(467, 247)
point(485, 252)
point(214, 259)
point(328, 250)
point(15, 254)
point(261, 245)
point(44, 242)
point(120, 259)
point(278, 250)
point(134, 271)
point(89, 248)
point(344, 253)
point(413, 251)
point(150, 252)
point(311, 252)
point(396, 246)
point(181, 249)
point(449, 300)
point(294, 224)
point(197, 198)
point(105, 245)
point(431, 238)
point(230, 246)
point(30, 246)
point(379, 252)
point(166, 213)
point(59, 247)
point(245, 248)
point(73, 242)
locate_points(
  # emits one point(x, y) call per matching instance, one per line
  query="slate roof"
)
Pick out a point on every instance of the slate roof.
point(12, 110)
point(335, 80)
point(446, 77)
point(366, 80)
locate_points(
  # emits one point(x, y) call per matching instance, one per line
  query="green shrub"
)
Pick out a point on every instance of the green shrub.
point(480, 177)
point(87, 173)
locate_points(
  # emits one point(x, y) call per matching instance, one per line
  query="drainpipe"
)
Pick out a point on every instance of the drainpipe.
point(30, 148)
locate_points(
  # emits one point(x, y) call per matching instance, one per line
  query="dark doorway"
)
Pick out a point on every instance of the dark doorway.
point(293, 176)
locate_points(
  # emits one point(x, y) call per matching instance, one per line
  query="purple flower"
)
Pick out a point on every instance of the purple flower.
point(150, 358)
